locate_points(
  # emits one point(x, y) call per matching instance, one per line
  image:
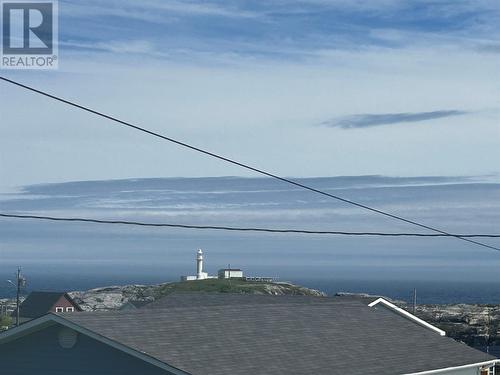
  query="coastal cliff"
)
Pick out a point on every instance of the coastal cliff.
point(475, 325)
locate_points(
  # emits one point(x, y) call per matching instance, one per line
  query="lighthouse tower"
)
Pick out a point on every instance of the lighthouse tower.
point(199, 265)
point(200, 275)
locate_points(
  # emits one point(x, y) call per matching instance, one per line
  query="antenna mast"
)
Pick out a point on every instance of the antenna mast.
point(414, 300)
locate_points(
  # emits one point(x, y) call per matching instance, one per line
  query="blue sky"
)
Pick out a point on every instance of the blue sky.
point(280, 28)
point(416, 82)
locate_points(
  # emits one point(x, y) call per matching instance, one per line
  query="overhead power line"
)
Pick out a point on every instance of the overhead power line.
point(242, 165)
point(240, 229)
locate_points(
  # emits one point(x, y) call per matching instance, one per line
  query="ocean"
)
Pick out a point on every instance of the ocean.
point(428, 292)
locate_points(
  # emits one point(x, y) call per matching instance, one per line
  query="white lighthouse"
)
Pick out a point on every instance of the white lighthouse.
point(200, 275)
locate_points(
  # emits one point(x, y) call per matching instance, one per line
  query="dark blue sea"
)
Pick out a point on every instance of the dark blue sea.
point(428, 292)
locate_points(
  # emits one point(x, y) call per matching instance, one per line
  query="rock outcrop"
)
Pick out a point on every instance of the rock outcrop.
point(476, 325)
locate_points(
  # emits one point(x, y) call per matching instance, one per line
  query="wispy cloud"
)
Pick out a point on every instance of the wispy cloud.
point(489, 48)
point(142, 47)
point(369, 120)
point(154, 10)
point(297, 28)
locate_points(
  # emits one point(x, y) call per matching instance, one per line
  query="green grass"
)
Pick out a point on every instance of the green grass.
point(211, 286)
point(239, 286)
point(5, 321)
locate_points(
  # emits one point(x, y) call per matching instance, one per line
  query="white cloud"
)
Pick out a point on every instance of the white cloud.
point(152, 10)
point(116, 46)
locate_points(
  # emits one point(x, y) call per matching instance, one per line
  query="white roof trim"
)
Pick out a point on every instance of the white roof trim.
point(408, 315)
point(51, 319)
point(444, 370)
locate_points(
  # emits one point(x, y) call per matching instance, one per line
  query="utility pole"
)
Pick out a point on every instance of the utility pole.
point(488, 331)
point(414, 300)
point(20, 283)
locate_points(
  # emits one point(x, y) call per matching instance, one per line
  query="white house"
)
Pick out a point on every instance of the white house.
point(230, 273)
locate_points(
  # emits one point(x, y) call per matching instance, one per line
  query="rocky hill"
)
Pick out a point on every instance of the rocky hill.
point(113, 297)
point(476, 325)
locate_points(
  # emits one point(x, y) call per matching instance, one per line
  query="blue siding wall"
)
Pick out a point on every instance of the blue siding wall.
point(41, 354)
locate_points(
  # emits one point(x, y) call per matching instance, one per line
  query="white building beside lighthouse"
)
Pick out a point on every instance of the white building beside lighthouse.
point(200, 275)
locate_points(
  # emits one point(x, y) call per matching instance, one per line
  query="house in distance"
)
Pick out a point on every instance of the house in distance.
point(38, 304)
point(229, 273)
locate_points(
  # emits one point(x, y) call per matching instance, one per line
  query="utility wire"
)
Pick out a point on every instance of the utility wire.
point(240, 229)
point(246, 166)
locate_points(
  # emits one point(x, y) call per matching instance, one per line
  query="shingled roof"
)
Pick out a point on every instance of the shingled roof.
point(194, 299)
point(336, 337)
point(39, 303)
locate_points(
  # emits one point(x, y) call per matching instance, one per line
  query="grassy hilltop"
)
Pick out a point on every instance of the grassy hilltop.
point(112, 297)
point(240, 286)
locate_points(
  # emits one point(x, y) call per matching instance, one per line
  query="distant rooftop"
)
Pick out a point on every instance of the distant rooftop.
point(39, 303)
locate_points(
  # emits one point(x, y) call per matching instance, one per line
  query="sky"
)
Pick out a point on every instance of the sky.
point(299, 88)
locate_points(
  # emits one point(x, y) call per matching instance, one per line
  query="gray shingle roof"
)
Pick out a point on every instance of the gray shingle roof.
point(337, 337)
point(139, 304)
point(193, 299)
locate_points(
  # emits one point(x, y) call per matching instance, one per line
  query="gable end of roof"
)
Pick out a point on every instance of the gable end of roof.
point(51, 319)
point(407, 315)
